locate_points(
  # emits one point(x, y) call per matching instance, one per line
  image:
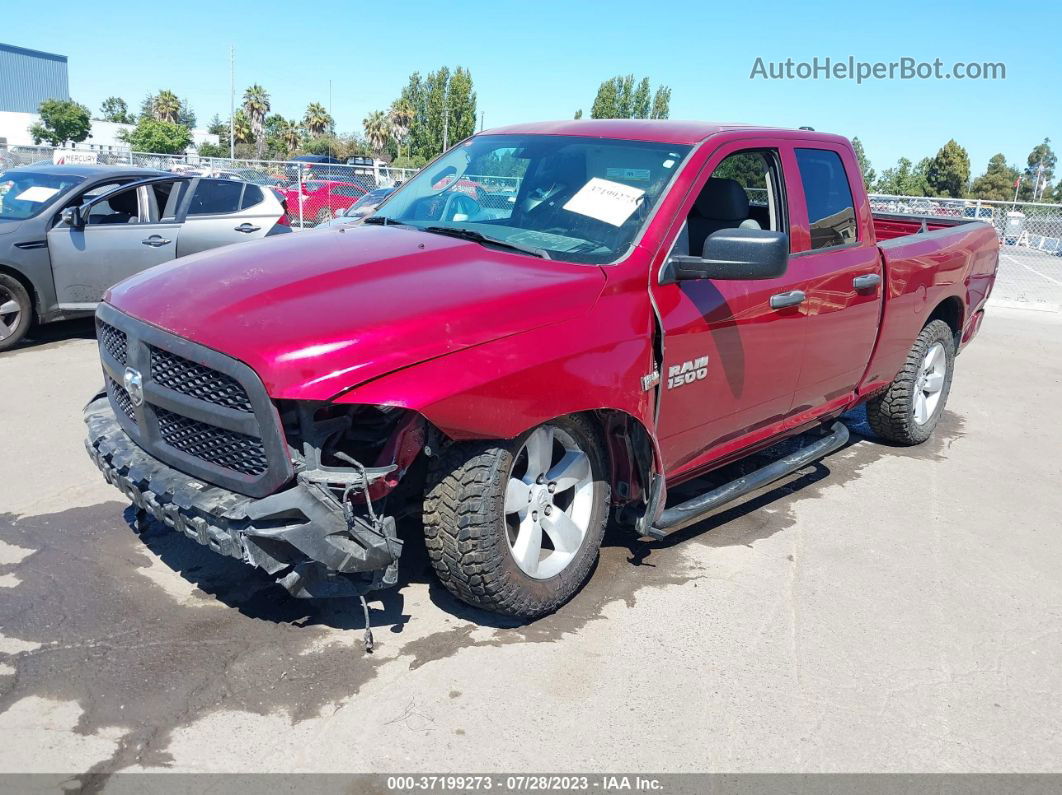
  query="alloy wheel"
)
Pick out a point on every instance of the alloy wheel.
point(930, 383)
point(549, 502)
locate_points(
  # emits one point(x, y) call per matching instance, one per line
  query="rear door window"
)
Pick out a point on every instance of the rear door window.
point(216, 197)
point(252, 195)
point(831, 211)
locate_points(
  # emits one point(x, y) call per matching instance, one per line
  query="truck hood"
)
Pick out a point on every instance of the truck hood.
point(317, 314)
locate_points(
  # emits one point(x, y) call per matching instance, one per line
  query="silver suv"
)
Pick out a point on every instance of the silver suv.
point(67, 233)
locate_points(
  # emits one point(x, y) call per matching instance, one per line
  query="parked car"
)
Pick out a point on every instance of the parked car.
point(633, 323)
point(321, 199)
point(361, 209)
point(67, 233)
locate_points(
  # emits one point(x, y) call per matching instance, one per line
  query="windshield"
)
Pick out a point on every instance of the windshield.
point(23, 194)
point(577, 199)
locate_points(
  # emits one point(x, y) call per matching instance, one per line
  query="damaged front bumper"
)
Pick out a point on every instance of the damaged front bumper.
point(314, 544)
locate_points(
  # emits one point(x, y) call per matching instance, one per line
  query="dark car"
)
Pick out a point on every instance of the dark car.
point(67, 233)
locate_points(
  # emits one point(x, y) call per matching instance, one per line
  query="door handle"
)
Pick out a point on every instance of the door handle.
point(792, 298)
point(247, 228)
point(156, 241)
point(866, 282)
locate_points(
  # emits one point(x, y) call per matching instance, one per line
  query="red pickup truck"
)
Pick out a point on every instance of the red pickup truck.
point(651, 300)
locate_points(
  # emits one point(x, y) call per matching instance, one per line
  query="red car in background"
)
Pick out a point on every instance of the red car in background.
point(321, 200)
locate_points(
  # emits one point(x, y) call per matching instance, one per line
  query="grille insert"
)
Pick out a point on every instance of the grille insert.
point(113, 341)
point(120, 398)
point(184, 376)
point(215, 445)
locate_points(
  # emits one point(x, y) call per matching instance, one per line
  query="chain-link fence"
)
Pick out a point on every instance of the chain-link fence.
point(1030, 266)
point(1030, 234)
point(314, 192)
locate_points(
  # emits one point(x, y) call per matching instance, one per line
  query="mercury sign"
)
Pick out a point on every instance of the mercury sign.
point(74, 157)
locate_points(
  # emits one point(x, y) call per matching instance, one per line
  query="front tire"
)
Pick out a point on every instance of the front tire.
point(910, 407)
point(514, 527)
point(16, 311)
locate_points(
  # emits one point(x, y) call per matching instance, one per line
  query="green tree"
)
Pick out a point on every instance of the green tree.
point(241, 128)
point(997, 183)
point(414, 96)
point(661, 103)
point(115, 110)
point(256, 106)
point(461, 102)
point(948, 172)
point(186, 115)
point(317, 119)
point(377, 131)
point(864, 163)
point(208, 149)
point(905, 179)
point(163, 106)
point(641, 105)
point(400, 119)
point(152, 135)
point(579, 113)
point(619, 98)
point(435, 88)
point(62, 120)
point(1040, 171)
point(218, 127)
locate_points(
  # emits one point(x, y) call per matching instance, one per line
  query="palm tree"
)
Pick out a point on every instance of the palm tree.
point(166, 106)
point(377, 130)
point(317, 119)
point(401, 118)
point(289, 136)
point(241, 127)
point(256, 106)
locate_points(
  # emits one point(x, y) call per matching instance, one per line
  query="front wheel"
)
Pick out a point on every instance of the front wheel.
point(910, 407)
point(16, 311)
point(515, 526)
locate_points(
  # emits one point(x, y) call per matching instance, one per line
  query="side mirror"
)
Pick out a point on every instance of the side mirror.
point(73, 218)
point(736, 254)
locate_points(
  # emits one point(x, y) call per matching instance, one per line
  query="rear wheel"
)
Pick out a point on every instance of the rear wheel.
point(515, 526)
point(16, 311)
point(910, 408)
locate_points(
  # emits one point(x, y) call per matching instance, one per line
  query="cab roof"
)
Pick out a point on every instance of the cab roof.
point(656, 130)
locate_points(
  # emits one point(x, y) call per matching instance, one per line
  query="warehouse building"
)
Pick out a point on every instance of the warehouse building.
point(28, 77)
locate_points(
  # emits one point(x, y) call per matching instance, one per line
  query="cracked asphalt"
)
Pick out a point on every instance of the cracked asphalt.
point(887, 610)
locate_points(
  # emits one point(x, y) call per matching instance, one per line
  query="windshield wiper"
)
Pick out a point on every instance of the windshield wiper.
point(382, 220)
point(482, 239)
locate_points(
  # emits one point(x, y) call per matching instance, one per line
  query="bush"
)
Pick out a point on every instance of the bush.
point(151, 135)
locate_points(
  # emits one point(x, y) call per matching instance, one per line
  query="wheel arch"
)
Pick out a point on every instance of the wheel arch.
point(951, 311)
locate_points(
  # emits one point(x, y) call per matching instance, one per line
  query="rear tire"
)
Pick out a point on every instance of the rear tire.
point(910, 407)
point(16, 311)
point(474, 529)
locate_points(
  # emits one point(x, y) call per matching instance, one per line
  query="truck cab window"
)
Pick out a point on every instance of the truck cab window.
point(741, 193)
point(831, 211)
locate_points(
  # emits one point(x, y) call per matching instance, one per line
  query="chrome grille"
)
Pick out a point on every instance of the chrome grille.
point(224, 448)
point(113, 341)
point(189, 378)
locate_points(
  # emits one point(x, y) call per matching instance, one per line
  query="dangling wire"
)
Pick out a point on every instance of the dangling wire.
point(367, 637)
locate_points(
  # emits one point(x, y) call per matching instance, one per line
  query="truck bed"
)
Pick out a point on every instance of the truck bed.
point(888, 226)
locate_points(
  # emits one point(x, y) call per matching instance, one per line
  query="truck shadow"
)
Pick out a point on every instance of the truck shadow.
point(79, 329)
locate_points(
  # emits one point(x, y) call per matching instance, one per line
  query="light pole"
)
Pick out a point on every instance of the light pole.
point(232, 102)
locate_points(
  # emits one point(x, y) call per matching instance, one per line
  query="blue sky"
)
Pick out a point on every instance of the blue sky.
point(544, 59)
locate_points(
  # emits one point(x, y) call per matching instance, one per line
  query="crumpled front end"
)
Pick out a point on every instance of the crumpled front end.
point(302, 534)
point(192, 438)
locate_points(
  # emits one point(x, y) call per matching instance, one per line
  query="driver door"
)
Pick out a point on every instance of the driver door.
point(126, 231)
point(731, 361)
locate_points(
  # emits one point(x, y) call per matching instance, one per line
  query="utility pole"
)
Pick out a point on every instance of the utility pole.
point(446, 128)
point(232, 101)
point(482, 114)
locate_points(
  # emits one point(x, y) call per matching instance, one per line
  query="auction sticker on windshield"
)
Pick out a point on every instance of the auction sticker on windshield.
point(37, 193)
point(606, 201)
